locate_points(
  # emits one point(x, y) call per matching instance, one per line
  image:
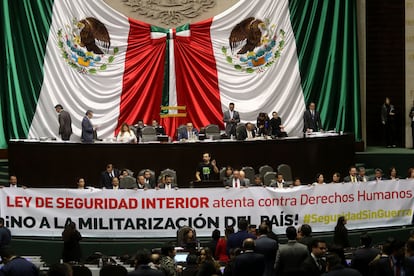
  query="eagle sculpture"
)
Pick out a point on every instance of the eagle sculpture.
point(93, 31)
point(250, 30)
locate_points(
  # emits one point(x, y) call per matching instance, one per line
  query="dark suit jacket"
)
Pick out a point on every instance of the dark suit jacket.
point(19, 266)
point(229, 182)
point(145, 270)
point(312, 123)
point(106, 180)
point(183, 134)
point(289, 258)
point(348, 178)
point(342, 271)
point(242, 134)
point(361, 259)
point(382, 267)
point(65, 124)
point(268, 247)
point(235, 240)
point(310, 268)
point(162, 186)
point(87, 130)
point(249, 264)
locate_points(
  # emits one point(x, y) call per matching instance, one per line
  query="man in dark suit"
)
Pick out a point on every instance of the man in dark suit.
point(13, 183)
point(234, 181)
point(107, 175)
point(189, 133)
point(335, 267)
point(268, 247)
point(394, 264)
point(352, 177)
point(314, 265)
point(379, 175)
point(149, 178)
point(87, 128)
point(290, 256)
point(168, 183)
point(248, 132)
point(235, 240)
point(142, 259)
point(15, 265)
point(231, 117)
point(312, 119)
point(305, 235)
point(249, 263)
point(65, 123)
point(363, 256)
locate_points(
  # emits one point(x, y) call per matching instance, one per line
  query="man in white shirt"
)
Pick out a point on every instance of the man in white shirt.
point(235, 181)
point(13, 182)
point(279, 183)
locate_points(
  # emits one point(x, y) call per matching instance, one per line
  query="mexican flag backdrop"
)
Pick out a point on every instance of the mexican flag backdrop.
point(263, 55)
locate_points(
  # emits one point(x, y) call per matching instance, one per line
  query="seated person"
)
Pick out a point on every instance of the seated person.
point(115, 184)
point(336, 178)
point(235, 181)
point(279, 182)
point(248, 132)
point(277, 129)
point(207, 170)
point(159, 129)
point(127, 181)
point(243, 177)
point(80, 183)
point(228, 173)
point(189, 133)
point(168, 183)
point(187, 239)
point(297, 182)
point(319, 180)
point(352, 177)
point(263, 124)
point(142, 184)
point(362, 175)
point(257, 181)
point(126, 135)
point(379, 175)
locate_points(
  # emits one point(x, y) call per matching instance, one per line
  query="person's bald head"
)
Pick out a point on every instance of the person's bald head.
point(248, 244)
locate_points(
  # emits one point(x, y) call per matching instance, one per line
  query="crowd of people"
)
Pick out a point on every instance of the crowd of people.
point(249, 251)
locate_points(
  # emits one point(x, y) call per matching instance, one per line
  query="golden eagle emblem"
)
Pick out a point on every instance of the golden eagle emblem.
point(92, 31)
point(255, 45)
point(248, 30)
point(85, 45)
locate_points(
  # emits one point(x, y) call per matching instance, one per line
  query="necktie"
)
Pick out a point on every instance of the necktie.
point(320, 266)
point(353, 178)
point(236, 184)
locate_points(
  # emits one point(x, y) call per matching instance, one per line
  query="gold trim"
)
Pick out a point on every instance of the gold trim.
point(182, 107)
point(173, 115)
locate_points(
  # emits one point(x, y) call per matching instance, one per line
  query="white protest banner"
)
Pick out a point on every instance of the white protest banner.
point(159, 213)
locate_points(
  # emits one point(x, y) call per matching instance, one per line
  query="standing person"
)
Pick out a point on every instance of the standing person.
point(221, 248)
point(231, 118)
point(167, 263)
point(65, 123)
point(207, 265)
point(235, 240)
point(249, 263)
point(341, 233)
point(312, 119)
point(290, 256)
point(268, 247)
point(314, 265)
point(71, 247)
point(412, 123)
point(207, 170)
point(87, 128)
point(5, 234)
point(388, 121)
point(364, 255)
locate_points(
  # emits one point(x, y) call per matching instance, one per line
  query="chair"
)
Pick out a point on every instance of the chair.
point(268, 177)
point(249, 172)
point(239, 128)
point(223, 173)
point(149, 134)
point(286, 171)
point(212, 131)
point(180, 129)
point(264, 169)
point(128, 182)
point(171, 172)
